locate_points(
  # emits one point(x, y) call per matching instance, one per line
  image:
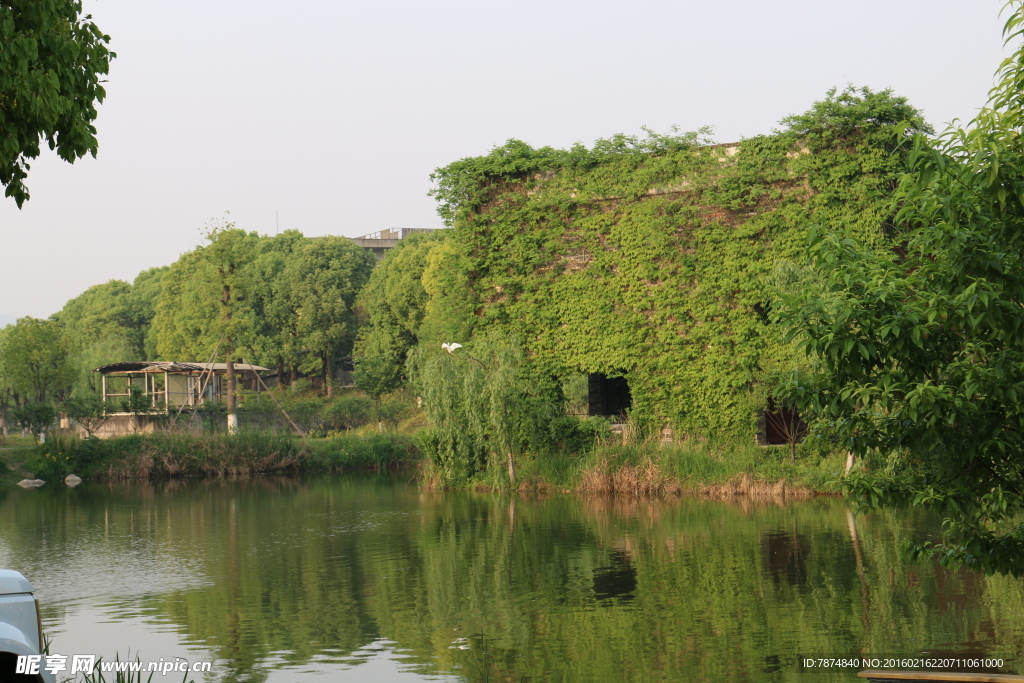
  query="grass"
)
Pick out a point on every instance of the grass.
point(715, 468)
point(181, 454)
point(15, 451)
point(721, 468)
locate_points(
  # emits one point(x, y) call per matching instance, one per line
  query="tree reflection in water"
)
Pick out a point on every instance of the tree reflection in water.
point(280, 578)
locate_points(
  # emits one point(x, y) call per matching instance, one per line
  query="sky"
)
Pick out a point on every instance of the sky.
point(329, 116)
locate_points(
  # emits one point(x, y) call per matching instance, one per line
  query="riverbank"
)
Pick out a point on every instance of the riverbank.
point(714, 469)
point(15, 451)
point(721, 468)
point(168, 454)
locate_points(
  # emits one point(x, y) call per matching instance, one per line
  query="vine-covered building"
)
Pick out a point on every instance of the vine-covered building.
point(658, 261)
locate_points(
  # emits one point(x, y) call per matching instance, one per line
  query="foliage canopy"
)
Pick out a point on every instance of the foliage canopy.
point(919, 352)
point(51, 63)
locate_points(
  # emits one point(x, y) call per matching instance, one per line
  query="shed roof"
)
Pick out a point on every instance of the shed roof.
point(170, 366)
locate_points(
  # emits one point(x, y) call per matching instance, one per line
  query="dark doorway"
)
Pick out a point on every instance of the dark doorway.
point(608, 395)
point(782, 425)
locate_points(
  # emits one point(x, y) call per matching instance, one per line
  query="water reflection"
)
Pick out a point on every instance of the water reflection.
point(282, 579)
point(618, 580)
point(784, 554)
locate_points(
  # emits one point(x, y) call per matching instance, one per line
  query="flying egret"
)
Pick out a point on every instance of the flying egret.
point(450, 348)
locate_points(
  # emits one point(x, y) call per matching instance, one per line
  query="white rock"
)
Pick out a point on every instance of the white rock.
point(72, 480)
point(30, 483)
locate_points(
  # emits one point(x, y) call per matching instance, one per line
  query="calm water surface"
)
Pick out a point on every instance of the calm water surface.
point(368, 578)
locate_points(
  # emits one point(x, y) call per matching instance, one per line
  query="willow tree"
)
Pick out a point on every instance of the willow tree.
point(487, 405)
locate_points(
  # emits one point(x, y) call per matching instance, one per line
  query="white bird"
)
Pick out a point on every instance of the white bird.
point(450, 348)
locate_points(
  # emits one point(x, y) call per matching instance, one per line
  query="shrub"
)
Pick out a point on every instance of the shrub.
point(570, 434)
point(346, 412)
point(35, 417)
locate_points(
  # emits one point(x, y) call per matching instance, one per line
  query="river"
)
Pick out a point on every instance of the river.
point(369, 578)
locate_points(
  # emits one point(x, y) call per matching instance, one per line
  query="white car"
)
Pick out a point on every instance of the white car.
point(21, 627)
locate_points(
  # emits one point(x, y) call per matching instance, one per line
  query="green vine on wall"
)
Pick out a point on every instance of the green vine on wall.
point(659, 257)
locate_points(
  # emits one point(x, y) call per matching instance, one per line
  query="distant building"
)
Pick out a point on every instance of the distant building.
point(380, 242)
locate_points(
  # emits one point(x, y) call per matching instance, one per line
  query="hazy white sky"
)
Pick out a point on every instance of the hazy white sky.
point(333, 114)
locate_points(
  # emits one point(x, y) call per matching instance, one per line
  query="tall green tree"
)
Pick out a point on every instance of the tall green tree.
point(920, 350)
point(145, 294)
point(189, 320)
point(101, 325)
point(201, 309)
point(229, 252)
point(8, 395)
point(35, 360)
point(52, 60)
point(393, 304)
point(322, 279)
point(274, 342)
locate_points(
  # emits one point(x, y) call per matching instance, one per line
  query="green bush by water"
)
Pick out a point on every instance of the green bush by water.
point(316, 415)
point(169, 454)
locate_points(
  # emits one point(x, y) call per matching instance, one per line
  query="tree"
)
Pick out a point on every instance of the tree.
point(394, 304)
point(394, 300)
point(51, 63)
point(229, 251)
point(920, 349)
point(487, 404)
point(145, 294)
point(35, 360)
point(274, 340)
point(101, 325)
point(87, 411)
point(376, 376)
point(7, 392)
point(202, 310)
point(35, 417)
point(323, 278)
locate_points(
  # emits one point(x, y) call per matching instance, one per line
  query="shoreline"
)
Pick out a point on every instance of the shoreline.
point(719, 470)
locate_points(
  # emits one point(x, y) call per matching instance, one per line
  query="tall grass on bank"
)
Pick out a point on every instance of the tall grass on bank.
point(171, 454)
point(720, 468)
